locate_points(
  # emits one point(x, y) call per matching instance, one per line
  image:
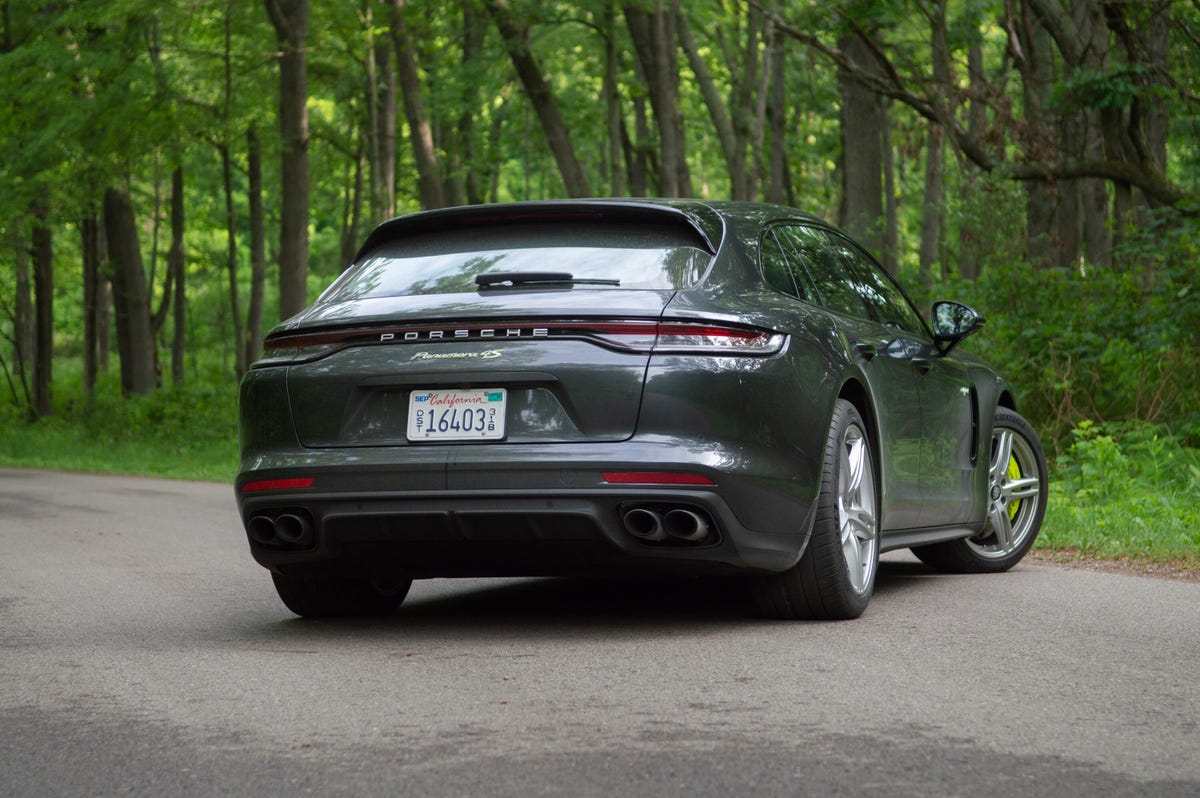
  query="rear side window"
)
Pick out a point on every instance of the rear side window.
point(782, 266)
point(825, 269)
point(777, 270)
point(884, 301)
point(447, 261)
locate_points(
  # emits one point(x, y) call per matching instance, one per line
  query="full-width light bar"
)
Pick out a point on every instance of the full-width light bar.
point(669, 337)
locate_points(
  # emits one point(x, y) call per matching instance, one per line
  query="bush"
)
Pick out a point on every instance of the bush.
point(1129, 489)
point(1120, 344)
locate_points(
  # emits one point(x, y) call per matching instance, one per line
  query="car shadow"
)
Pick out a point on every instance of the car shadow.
point(906, 577)
point(578, 608)
point(574, 599)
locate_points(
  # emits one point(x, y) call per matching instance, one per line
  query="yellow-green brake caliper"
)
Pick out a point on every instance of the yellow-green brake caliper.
point(1014, 473)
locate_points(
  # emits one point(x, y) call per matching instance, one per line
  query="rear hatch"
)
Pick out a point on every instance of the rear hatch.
point(519, 328)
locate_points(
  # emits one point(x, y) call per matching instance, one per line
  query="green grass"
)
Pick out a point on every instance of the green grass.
point(1121, 491)
point(187, 432)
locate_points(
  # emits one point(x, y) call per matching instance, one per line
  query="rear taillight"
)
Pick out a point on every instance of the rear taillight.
point(284, 349)
point(716, 339)
point(673, 337)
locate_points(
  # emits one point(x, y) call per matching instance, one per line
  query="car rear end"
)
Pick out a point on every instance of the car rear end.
point(521, 390)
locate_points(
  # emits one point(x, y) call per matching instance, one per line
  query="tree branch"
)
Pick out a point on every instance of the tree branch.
point(891, 84)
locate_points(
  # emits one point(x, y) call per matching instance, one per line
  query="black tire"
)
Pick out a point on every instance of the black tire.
point(313, 597)
point(835, 576)
point(1016, 504)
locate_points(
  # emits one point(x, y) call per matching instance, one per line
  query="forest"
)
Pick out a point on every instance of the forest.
point(179, 175)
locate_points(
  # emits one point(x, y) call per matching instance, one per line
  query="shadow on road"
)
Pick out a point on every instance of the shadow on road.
point(580, 607)
point(905, 577)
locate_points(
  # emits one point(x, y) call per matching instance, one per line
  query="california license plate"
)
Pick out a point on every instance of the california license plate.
point(475, 414)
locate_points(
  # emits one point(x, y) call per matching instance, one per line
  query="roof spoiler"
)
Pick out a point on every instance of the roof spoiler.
point(541, 211)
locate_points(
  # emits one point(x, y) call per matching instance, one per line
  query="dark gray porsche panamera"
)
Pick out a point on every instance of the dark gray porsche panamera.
point(626, 386)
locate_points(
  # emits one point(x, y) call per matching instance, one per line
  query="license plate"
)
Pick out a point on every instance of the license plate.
point(476, 414)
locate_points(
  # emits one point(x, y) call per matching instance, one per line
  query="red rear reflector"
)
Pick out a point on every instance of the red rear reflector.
point(278, 484)
point(654, 478)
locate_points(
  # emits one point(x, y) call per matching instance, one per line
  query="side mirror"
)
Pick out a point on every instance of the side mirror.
point(952, 322)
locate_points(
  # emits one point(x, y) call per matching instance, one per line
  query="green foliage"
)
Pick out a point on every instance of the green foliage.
point(1095, 466)
point(1115, 344)
point(184, 432)
point(1126, 490)
point(1100, 89)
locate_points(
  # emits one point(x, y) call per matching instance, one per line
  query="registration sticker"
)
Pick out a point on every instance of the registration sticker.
point(473, 414)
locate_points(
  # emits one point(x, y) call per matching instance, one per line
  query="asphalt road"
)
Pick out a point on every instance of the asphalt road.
point(142, 652)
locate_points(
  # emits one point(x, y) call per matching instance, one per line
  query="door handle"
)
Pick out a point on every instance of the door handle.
point(922, 364)
point(865, 350)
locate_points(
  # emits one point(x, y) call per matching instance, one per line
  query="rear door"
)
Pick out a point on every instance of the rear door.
point(885, 351)
point(948, 407)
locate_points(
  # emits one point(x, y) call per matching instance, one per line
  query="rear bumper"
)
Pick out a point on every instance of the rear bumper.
point(522, 510)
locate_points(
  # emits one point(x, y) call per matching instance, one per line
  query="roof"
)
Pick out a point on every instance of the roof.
point(706, 218)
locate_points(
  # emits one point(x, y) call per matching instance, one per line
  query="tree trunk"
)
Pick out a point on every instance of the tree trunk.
point(1036, 67)
point(104, 299)
point(612, 101)
point(731, 147)
point(429, 179)
point(777, 116)
point(1156, 115)
point(387, 131)
point(290, 20)
point(177, 265)
point(24, 330)
point(1151, 109)
point(89, 229)
point(1123, 207)
point(1097, 241)
point(258, 258)
point(862, 152)
point(758, 130)
point(381, 107)
point(352, 207)
point(135, 340)
point(970, 232)
point(475, 175)
point(636, 156)
point(558, 137)
point(654, 41)
point(1078, 141)
point(1068, 238)
point(43, 316)
point(158, 317)
point(231, 262)
point(931, 209)
point(890, 257)
point(371, 129)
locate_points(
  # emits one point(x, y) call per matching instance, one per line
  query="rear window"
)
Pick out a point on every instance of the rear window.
point(639, 256)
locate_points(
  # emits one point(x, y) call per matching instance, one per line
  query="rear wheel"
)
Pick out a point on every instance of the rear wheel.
point(339, 597)
point(1016, 504)
point(835, 577)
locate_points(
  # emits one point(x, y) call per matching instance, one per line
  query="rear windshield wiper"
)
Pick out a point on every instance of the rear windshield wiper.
point(495, 279)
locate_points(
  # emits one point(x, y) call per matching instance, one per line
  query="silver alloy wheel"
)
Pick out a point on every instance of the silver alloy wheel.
point(857, 523)
point(1014, 488)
